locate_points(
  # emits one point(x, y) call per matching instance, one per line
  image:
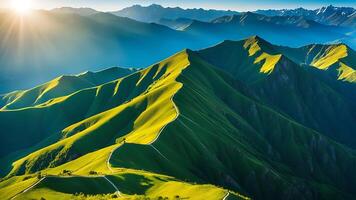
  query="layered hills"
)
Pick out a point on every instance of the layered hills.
point(242, 119)
point(155, 13)
point(284, 30)
point(47, 44)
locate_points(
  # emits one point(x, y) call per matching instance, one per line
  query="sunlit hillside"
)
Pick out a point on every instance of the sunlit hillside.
point(239, 120)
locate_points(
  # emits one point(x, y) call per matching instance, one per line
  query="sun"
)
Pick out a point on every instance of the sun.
point(21, 7)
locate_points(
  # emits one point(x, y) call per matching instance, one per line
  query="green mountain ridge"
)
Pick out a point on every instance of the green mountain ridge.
point(338, 56)
point(287, 86)
point(61, 86)
point(240, 115)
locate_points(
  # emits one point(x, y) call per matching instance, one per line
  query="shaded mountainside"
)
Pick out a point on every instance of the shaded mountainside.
point(237, 118)
point(289, 87)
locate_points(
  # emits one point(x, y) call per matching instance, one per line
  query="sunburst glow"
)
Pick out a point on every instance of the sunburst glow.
point(21, 7)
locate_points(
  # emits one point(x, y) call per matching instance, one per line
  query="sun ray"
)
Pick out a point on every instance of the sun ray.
point(21, 7)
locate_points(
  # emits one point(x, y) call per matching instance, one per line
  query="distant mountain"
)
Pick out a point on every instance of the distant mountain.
point(239, 120)
point(154, 13)
point(78, 11)
point(284, 30)
point(330, 15)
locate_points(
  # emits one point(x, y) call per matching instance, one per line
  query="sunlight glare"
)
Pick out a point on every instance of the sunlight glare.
point(21, 7)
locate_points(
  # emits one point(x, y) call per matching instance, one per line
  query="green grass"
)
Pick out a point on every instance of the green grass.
point(86, 145)
point(238, 116)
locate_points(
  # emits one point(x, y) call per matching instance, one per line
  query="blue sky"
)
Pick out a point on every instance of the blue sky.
point(240, 5)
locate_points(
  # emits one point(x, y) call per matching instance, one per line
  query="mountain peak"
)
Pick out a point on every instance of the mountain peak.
point(155, 6)
point(261, 55)
point(326, 9)
point(250, 14)
point(250, 17)
point(260, 42)
point(256, 37)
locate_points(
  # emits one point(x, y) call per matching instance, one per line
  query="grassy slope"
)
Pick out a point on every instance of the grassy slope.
point(154, 87)
point(47, 120)
point(41, 124)
point(132, 117)
point(289, 87)
point(225, 138)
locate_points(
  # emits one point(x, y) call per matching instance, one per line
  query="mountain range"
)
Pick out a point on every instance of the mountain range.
point(238, 120)
point(155, 13)
point(330, 15)
point(47, 44)
point(292, 31)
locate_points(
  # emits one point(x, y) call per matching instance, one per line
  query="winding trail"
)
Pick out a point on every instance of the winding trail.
point(159, 133)
point(27, 189)
point(155, 139)
point(117, 189)
point(158, 152)
point(108, 160)
point(177, 114)
point(226, 196)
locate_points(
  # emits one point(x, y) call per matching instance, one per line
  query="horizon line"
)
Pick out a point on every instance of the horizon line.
point(185, 8)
